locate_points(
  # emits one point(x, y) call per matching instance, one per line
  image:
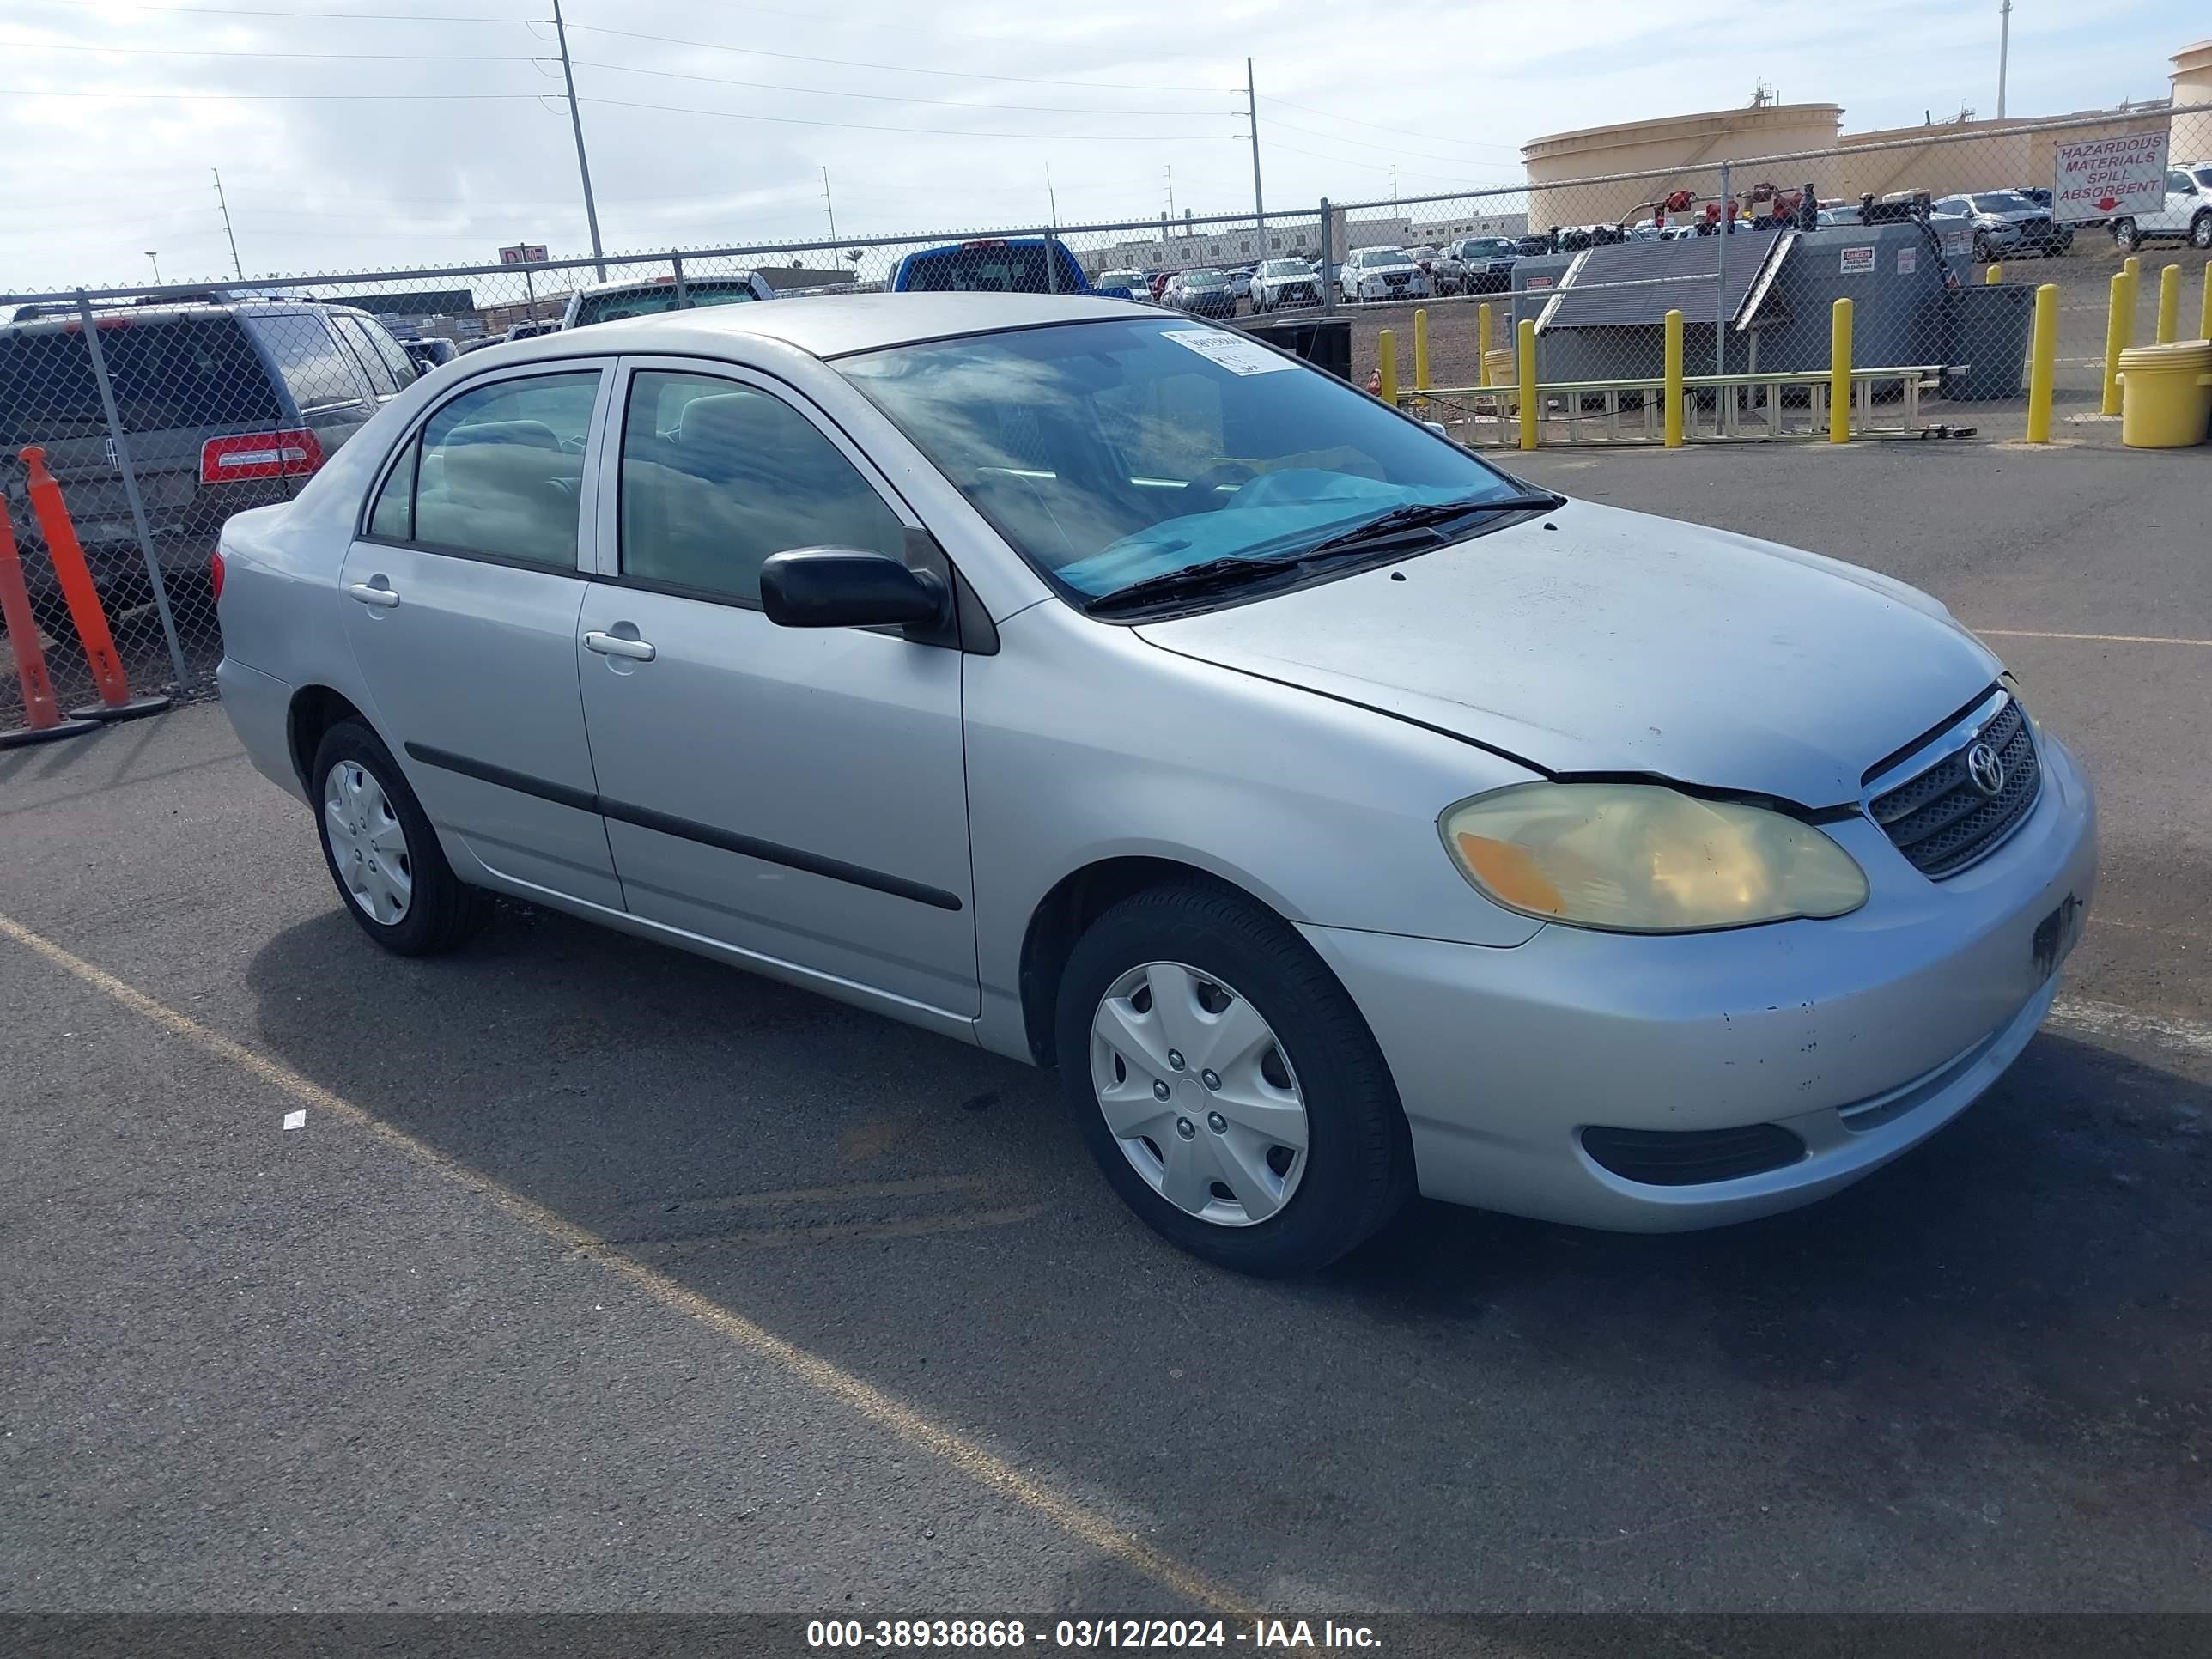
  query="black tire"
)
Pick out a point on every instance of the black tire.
point(1359, 1167)
point(443, 913)
point(2125, 236)
point(2200, 229)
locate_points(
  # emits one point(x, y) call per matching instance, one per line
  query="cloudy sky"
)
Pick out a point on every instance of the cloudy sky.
point(365, 134)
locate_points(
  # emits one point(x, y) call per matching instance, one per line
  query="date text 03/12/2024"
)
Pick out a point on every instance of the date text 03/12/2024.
point(1288, 1634)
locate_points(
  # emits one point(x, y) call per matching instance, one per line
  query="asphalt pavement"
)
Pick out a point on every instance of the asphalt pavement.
point(603, 1278)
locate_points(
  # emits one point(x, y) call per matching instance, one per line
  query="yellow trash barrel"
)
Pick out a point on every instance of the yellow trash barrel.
point(2165, 400)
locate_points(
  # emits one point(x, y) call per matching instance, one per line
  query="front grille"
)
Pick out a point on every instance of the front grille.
point(1690, 1157)
point(1941, 819)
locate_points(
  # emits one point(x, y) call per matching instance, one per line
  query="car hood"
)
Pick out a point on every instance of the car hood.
point(1619, 643)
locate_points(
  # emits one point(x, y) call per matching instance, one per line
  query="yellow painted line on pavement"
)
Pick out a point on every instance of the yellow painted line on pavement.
point(2098, 639)
point(863, 1398)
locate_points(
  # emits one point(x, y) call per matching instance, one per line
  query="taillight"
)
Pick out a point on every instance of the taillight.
point(259, 455)
point(215, 572)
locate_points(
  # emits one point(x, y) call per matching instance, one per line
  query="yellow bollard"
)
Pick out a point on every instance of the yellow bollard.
point(1525, 365)
point(2169, 304)
point(1482, 330)
point(1840, 372)
point(1421, 350)
point(1386, 371)
point(2042, 363)
point(1674, 379)
point(1994, 275)
point(2119, 324)
point(2132, 265)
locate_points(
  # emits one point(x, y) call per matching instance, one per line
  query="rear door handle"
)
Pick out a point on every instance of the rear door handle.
point(369, 595)
point(613, 645)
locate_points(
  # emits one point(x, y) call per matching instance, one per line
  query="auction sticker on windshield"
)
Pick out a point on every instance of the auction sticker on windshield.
point(1233, 351)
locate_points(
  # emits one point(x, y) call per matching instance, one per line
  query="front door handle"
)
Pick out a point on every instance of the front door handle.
point(369, 595)
point(613, 645)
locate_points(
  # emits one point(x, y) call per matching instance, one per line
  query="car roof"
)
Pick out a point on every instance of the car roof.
point(826, 325)
point(655, 284)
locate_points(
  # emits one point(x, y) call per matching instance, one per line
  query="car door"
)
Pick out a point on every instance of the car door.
point(2180, 199)
point(461, 595)
point(797, 795)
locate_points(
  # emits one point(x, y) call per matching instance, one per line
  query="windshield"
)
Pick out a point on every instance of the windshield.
point(2204, 177)
point(1203, 279)
point(1109, 454)
point(1381, 256)
point(1283, 268)
point(1484, 250)
point(650, 301)
point(2002, 201)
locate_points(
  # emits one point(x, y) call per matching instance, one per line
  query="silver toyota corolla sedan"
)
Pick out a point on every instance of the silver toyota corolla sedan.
point(1340, 816)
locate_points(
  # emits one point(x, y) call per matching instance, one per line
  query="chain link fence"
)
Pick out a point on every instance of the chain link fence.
point(1540, 311)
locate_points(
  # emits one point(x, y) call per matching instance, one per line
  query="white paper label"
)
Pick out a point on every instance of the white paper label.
point(1233, 351)
point(1908, 261)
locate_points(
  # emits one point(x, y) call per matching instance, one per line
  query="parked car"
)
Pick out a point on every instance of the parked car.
point(610, 302)
point(1828, 218)
point(1240, 282)
point(1381, 273)
point(1680, 932)
point(1204, 294)
point(2005, 222)
point(1423, 257)
point(2187, 216)
point(1475, 264)
point(1162, 282)
point(427, 352)
point(227, 404)
point(997, 264)
point(1281, 283)
point(1133, 284)
point(1530, 246)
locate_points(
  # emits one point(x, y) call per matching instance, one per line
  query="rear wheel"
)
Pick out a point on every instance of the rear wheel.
point(2200, 229)
point(1226, 1083)
point(2125, 236)
point(381, 852)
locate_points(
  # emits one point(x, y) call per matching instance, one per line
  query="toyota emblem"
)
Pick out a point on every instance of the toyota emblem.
point(1985, 769)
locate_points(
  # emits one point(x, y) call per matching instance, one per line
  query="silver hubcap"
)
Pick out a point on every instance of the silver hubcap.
point(1199, 1094)
point(368, 844)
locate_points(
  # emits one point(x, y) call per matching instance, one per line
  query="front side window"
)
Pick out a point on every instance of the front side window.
point(403, 371)
point(716, 477)
point(373, 365)
point(1109, 454)
point(501, 470)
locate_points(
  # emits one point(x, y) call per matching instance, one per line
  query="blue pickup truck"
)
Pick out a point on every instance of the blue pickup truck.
point(1010, 265)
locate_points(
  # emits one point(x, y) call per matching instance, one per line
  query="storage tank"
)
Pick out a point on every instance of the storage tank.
point(1694, 143)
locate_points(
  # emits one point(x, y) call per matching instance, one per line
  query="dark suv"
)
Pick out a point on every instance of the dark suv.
point(227, 404)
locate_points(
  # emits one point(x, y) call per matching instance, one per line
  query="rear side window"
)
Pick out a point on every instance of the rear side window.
point(393, 519)
point(366, 353)
point(501, 470)
point(168, 373)
point(318, 369)
point(395, 355)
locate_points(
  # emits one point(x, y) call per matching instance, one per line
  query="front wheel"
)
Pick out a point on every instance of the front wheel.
point(2125, 235)
point(2200, 229)
point(1226, 1083)
point(382, 853)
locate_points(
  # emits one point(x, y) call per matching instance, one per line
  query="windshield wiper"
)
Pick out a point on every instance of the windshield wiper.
point(1401, 520)
point(1208, 576)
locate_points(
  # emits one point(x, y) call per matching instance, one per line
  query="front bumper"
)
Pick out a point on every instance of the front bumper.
point(1862, 1035)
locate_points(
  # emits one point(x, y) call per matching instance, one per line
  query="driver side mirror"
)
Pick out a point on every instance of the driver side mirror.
point(846, 588)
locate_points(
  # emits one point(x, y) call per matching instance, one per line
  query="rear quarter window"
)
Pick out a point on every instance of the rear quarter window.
point(168, 373)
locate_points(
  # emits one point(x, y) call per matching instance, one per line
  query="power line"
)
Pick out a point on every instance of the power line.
point(1369, 143)
point(129, 94)
point(950, 132)
point(895, 69)
point(305, 17)
point(339, 56)
point(1403, 132)
point(878, 97)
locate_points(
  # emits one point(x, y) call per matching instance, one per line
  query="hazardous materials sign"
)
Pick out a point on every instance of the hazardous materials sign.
point(2110, 178)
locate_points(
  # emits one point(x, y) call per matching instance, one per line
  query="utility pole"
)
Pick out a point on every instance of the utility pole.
point(2004, 50)
point(1051, 195)
point(577, 122)
point(1252, 115)
point(829, 206)
point(236, 263)
point(1170, 172)
point(150, 254)
point(1393, 181)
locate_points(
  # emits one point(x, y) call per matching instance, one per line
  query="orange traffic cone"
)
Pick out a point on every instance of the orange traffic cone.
point(40, 707)
point(116, 703)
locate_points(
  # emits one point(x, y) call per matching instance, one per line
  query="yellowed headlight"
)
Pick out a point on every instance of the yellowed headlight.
point(1643, 859)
